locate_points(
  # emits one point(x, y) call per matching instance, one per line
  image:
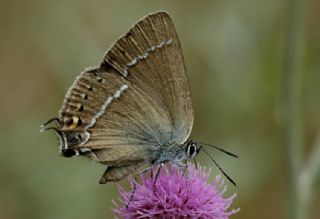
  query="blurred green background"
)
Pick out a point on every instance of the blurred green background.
point(234, 53)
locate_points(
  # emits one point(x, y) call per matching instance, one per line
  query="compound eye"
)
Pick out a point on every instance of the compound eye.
point(192, 150)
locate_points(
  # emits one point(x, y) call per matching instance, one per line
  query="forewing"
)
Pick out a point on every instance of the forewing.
point(150, 57)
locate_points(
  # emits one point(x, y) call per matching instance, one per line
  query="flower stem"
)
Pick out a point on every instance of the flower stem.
point(312, 167)
point(299, 176)
point(308, 178)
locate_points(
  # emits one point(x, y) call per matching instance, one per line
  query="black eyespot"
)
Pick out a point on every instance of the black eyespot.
point(69, 153)
point(79, 136)
point(79, 122)
point(69, 121)
point(81, 108)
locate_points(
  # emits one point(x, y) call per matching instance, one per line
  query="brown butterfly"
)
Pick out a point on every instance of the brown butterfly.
point(135, 107)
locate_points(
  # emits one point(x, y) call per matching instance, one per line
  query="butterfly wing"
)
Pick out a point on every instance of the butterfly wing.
point(137, 100)
point(113, 173)
point(150, 56)
point(107, 114)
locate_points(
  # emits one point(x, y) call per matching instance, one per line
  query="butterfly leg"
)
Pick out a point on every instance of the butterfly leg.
point(185, 167)
point(186, 173)
point(134, 187)
point(195, 163)
point(156, 177)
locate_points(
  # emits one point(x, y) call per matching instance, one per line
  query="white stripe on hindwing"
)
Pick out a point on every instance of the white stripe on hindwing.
point(105, 105)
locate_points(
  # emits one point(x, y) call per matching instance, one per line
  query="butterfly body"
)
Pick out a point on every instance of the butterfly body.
point(135, 107)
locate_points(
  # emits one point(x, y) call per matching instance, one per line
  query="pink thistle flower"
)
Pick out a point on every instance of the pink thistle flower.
point(174, 197)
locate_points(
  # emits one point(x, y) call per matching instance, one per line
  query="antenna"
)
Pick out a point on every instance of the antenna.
point(217, 164)
point(218, 148)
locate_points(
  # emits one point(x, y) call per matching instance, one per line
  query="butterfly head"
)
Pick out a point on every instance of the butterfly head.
point(191, 149)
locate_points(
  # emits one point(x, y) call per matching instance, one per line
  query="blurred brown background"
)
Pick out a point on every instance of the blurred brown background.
point(234, 52)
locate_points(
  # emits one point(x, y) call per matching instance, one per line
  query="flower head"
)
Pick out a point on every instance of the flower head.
point(175, 196)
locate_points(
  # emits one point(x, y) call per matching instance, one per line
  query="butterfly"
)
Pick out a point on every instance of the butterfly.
point(135, 107)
